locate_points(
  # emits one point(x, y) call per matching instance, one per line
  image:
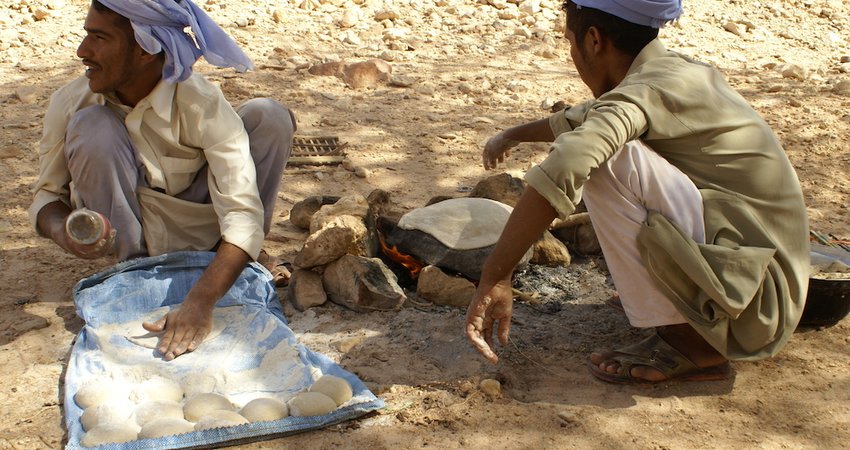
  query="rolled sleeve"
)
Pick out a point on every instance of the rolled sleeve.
point(568, 119)
point(575, 152)
point(233, 181)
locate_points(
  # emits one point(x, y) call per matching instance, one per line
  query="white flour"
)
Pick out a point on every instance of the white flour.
point(243, 362)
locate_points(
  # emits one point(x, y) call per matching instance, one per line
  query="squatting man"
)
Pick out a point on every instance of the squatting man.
point(697, 208)
point(158, 151)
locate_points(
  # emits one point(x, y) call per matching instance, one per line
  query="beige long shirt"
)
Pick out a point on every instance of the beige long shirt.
point(744, 289)
point(176, 130)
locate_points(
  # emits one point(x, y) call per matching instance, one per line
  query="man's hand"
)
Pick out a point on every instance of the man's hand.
point(51, 221)
point(99, 249)
point(496, 150)
point(183, 329)
point(490, 305)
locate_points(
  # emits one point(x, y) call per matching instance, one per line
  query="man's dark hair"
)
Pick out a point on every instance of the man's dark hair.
point(100, 7)
point(119, 19)
point(626, 36)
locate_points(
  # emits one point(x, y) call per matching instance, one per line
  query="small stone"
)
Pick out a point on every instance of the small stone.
point(568, 416)
point(366, 74)
point(31, 323)
point(523, 31)
point(793, 71)
point(345, 345)
point(491, 387)
point(734, 28)
point(349, 18)
point(845, 59)
point(333, 68)
point(530, 7)
point(362, 172)
point(386, 14)
point(41, 14)
point(401, 81)
point(465, 88)
point(547, 104)
point(842, 87)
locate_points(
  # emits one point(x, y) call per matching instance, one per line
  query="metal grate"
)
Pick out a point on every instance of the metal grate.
point(316, 150)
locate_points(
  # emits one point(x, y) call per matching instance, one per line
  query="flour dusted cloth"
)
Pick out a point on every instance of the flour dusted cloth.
point(254, 355)
point(184, 31)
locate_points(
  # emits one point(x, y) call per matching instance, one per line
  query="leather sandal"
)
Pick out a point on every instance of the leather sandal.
point(655, 352)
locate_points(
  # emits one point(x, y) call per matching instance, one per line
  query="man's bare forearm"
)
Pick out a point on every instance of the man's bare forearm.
point(228, 263)
point(530, 218)
point(51, 221)
point(537, 131)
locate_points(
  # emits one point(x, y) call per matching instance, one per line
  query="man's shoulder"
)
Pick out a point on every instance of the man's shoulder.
point(197, 89)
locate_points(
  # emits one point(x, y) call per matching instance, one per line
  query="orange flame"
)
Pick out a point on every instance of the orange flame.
point(410, 263)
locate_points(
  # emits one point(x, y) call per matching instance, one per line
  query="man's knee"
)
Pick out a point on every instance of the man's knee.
point(95, 130)
point(259, 111)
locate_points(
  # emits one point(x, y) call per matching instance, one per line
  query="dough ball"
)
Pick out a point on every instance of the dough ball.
point(99, 391)
point(158, 409)
point(311, 404)
point(203, 404)
point(106, 413)
point(334, 387)
point(112, 433)
point(157, 388)
point(165, 426)
point(220, 419)
point(264, 409)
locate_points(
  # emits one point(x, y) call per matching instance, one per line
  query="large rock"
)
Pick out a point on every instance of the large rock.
point(549, 251)
point(306, 290)
point(443, 289)
point(302, 212)
point(344, 235)
point(502, 188)
point(353, 205)
point(362, 284)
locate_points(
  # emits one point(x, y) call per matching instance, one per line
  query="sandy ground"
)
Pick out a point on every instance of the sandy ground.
point(471, 73)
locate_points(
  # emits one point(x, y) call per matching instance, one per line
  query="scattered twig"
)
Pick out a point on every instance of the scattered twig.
point(531, 298)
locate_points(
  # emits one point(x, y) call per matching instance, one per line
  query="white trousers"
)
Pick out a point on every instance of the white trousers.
point(618, 196)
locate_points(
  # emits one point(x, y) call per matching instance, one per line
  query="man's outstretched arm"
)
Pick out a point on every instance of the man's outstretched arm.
point(185, 327)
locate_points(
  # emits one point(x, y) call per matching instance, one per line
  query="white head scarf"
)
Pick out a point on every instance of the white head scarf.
point(183, 31)
point(651, 13)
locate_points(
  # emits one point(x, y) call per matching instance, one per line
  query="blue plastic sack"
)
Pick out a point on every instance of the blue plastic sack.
point(132, 290)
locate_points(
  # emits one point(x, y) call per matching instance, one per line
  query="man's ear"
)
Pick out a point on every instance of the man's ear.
point(594, 41)
point(147, 58)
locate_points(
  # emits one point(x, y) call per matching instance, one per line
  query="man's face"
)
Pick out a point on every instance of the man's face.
point(109, 53)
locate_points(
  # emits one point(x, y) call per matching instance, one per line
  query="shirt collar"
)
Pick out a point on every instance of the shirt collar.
point(160, 100)
point(655, 49)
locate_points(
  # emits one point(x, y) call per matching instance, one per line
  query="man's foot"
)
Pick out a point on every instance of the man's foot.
point(674, 352)
point(279, 269)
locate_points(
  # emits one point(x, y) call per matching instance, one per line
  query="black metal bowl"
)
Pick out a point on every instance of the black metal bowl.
point(827, 302)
